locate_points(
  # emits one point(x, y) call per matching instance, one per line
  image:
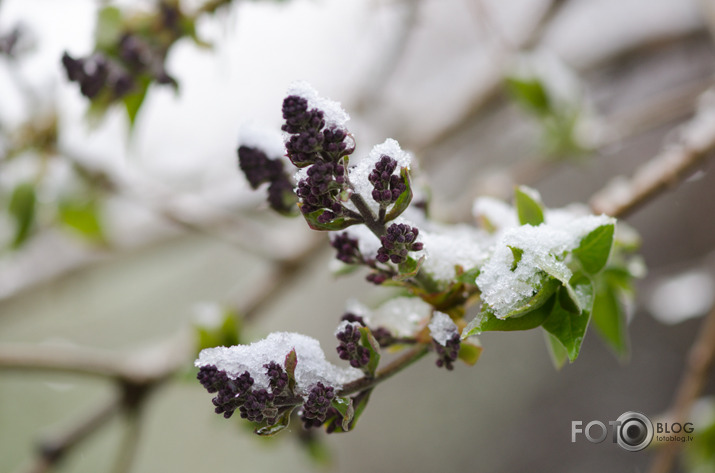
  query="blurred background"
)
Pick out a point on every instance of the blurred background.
point(125, 221)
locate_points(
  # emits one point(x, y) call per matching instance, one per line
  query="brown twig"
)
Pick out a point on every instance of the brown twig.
point(699, 362)
point(622, 196)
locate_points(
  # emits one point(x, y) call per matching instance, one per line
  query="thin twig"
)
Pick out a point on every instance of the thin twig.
point(388, 371)
point(54, 448)
point(699, 362)
point(622, 196)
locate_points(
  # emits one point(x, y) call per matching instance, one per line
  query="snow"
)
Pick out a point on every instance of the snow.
point(311, 368)
point(544, 249)
point(445, 247)
point(684, 296)
point(494, 213)
point(442, 328)
point(333, 112)
point(265, 139)
point(402, 316)
point(343, 325)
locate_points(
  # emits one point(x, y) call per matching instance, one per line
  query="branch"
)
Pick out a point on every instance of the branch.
point(387, 372)
point(700, 360)
point(674, 163)
point(53, 449)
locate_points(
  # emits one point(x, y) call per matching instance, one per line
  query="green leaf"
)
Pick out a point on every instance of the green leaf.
point(409, 268)
point(339, 223)
point(265, 430)
point(486, 321)
point(224, 334)
point(568, 299)
point(548, 288)
point(594, 249)
point(368, 341)
point(557, 351)
point(469, 352)
point(528, 207)
point(403, 201)
point(344, 405)
point(134, 100)
point(517, 253)
point(109, 28)
point(22, 208)
point(609, 317)
point(291, 362)
point(83, 216)
point(529, 93)
point(569, 328)
point(469, 276)
point(355, 410)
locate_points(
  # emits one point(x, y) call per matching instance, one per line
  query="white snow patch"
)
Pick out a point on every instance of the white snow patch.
point(312, 367)
point(442, 328)
point(333, 112)
point(402, 316)
point(544, 248)
point(265, 139)
point(445, 247)
point(497, 213)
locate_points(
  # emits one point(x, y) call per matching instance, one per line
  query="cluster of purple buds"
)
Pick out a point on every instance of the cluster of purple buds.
point(387, 186)
point(118, 73)
point(397, 242)
point(322, 148)
point(318, 405)
point(349, 348)
point(347, 248)
point(448, 353)
point(255, 405)
point(259, 169)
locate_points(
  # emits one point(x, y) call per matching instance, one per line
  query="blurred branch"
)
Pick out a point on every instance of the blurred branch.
point(622, 196)
point(699, 362)
point(491, 86)
point(53, 449)
point(390, 59)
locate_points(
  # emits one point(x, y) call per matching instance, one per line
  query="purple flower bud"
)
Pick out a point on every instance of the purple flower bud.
point(447, 354)
point(318, 402)
point(387, 187)
point(397, 242)
point(347, 248)
point(349, 348)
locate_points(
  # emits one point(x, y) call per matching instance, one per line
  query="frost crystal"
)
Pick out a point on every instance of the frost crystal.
point(442, 328)
point(334, 113)
point(312, 366)
point(544, 248)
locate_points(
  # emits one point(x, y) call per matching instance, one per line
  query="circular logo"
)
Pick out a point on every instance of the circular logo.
point(634, 431)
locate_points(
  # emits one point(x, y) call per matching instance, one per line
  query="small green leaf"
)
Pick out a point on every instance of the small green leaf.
point(109, 28)
point(83, 216)
point(224, 334)
point(368, 341)
point(469, 276)
point(528, 207)
point(22, 208)
point(469, 352)
point(609, 318)
point(357, 407)
point(530, 93)
point(548, 288)
point(517, 253)
point(265, 430)
point(557, 352)
point(344, 405)
point(594, 249)
point(569, 300)
point(134, 100)
point(569, 328)
point(339, 223)
point(403, 201)
point(486, 321)
point(291, 362)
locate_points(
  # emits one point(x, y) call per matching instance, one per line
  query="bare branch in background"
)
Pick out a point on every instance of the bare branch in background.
point(698, 366)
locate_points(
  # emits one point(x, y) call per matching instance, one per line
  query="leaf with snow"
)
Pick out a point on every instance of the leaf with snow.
point(528, 206)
